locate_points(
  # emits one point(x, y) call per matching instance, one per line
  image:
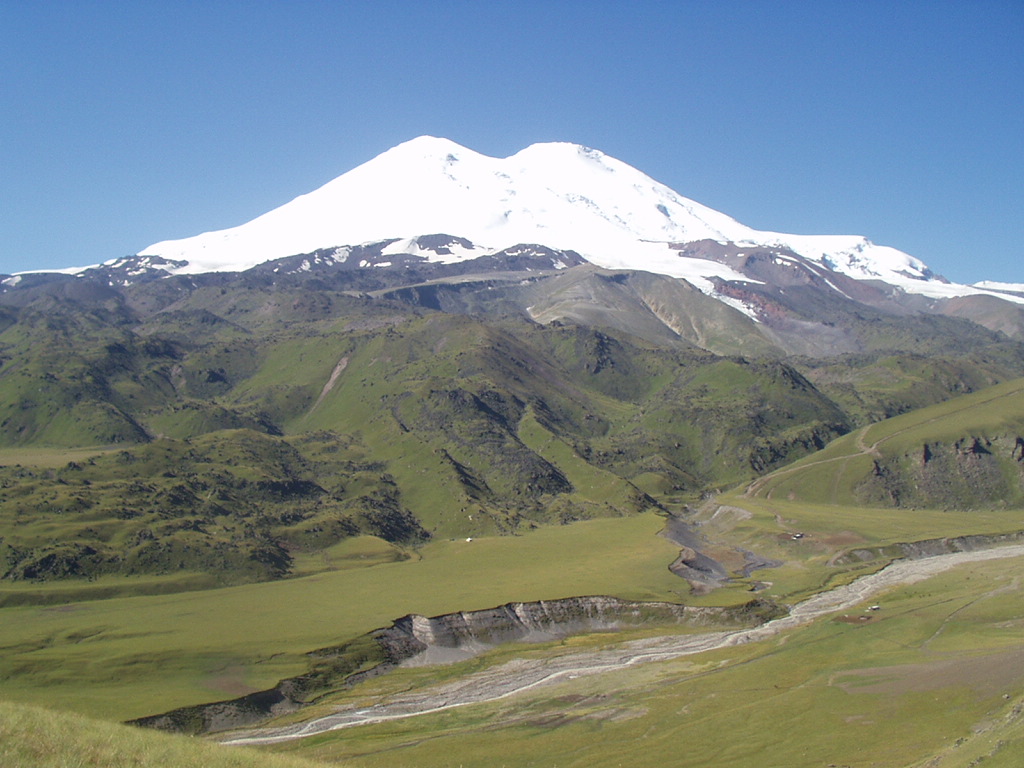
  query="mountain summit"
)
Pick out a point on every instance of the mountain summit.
point(429, 209)
point(560, 195)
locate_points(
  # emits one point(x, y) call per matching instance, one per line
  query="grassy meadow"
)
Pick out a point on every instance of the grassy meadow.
point(33, 737)
point(935, 677)
point(145, 648)
point(125, 657)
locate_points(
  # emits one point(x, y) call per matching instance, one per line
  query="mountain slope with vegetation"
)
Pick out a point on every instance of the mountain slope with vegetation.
point(964, 454)
point(258, 418)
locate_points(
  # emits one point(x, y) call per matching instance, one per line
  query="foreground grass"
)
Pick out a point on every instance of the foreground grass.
point(936, 677)
point(32, 737)
point(127, 657)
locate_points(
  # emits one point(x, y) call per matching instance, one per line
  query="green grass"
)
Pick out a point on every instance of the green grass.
point(356, 552)
point(25, 593)
point(49, 458)
point(767, 526)
point(127, 657)
point(592, 484)
point(939, 664)
point(33, 737)
point(992, 409)
point(833, 475)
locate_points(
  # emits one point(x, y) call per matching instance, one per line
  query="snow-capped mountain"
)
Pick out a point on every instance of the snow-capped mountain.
point(430, 209)
point(561, 195)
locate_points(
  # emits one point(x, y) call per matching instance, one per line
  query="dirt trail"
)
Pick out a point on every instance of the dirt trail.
point(523, 674)
point(755, 488)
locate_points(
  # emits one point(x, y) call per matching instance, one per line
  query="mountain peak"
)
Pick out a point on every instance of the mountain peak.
point(428, 146)
point(558, 194)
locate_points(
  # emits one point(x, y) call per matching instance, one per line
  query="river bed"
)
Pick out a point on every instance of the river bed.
point(519, 675)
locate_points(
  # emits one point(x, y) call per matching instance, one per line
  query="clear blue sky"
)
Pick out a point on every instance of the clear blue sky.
point(125, 123)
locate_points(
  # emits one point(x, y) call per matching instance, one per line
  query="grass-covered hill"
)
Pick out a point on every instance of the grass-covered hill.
point(965, 453)
point(33, 737)
point(237, 505)
point(243, 422)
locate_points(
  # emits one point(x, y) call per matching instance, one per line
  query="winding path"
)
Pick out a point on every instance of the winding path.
point(520, 675)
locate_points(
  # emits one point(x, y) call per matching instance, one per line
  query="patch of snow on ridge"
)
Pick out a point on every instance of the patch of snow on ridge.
point(340, 254)
point(836, 288)
point(699, 273)
point(454, 250)
point(992, 285)
point(735, 303)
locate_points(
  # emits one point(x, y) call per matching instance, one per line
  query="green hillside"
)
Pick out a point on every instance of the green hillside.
point(966, 453)
point(243, 427)
point(32, 737)
point(241, 424)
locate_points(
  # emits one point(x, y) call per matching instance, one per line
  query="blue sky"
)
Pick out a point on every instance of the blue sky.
point(126, 123)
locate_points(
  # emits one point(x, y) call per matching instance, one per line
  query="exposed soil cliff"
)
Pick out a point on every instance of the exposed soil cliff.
point(498, 681)
point(417, 639)
point(914, 550)
point(420, 640)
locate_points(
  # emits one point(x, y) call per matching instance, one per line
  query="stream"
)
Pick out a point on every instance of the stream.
point(519, 675)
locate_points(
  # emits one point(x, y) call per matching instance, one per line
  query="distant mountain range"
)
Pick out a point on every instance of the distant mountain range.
point(435, 205)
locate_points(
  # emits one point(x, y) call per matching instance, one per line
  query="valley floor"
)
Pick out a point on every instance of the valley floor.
point(520, 675)
point(932, 679)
